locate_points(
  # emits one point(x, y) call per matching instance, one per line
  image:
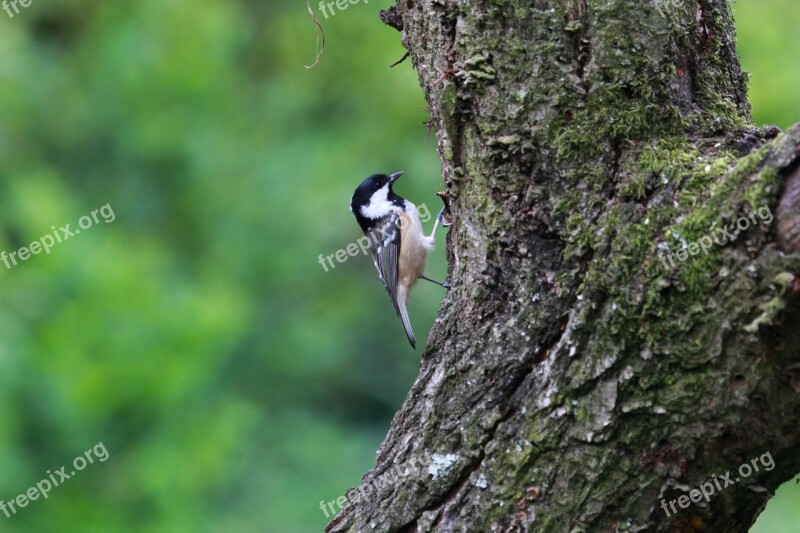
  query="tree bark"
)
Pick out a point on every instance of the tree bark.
point(576, 376)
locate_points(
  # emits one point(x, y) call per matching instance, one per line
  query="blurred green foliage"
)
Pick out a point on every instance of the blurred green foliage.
point(234, 382)
point(769, 42)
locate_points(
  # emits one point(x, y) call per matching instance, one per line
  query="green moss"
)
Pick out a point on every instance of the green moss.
point(773, 307)
point(634, 188)
point(762, 191)
point(633, 104)
point(710, 180)
point(632, 234)
point(710, 201)
point(769, 310)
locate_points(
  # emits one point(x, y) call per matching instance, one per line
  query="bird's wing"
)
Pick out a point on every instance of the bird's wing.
point(384, 241)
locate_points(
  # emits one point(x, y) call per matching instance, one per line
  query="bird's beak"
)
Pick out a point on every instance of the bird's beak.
point(393, 177)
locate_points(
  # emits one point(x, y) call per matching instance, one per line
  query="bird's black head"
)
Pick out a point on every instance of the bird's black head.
point(374, 199)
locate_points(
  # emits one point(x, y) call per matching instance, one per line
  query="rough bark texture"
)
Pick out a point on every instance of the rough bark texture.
point(573, 378)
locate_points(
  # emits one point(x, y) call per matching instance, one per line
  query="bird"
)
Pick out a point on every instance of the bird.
point(397, 242)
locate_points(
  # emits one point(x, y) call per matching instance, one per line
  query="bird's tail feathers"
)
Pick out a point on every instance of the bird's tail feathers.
point(400, 305)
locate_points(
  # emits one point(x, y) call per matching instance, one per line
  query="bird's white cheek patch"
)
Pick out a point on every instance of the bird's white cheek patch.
point(379, 204)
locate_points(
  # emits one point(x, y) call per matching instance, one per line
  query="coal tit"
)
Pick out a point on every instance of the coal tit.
point(398, 245)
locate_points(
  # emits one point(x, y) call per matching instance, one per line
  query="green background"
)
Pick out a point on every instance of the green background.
point(234, 382)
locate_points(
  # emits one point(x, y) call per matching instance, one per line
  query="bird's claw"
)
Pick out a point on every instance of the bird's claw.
point(442, 219)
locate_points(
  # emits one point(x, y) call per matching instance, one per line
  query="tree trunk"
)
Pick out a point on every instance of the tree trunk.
point(605, 347)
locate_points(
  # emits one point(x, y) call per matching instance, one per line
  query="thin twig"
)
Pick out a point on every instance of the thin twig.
point(320, 31)
point(401, 60)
